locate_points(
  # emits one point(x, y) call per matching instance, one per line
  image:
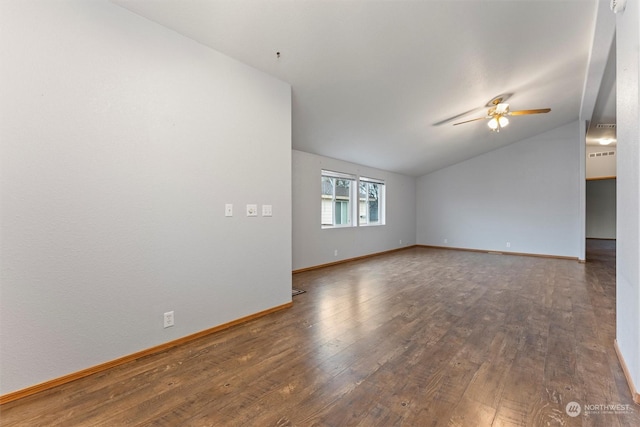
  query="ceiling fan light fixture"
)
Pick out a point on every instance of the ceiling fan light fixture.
point(497, 122)
point(497, 115)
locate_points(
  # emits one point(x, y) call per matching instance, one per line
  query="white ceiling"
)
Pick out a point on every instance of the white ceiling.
point(379, 83)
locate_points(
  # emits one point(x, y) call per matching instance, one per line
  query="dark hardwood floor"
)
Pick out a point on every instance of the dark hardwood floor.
point(420, 337)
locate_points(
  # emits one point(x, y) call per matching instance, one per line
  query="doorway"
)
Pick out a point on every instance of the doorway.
point(601, 209)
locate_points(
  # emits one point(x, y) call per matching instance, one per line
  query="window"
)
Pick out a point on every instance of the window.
point(371, 202)
point(339, 206)
point(337, 199)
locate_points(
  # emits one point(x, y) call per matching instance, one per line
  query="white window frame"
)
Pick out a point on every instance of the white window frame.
point(354, 208)
point(363, 217)
point(329, 203)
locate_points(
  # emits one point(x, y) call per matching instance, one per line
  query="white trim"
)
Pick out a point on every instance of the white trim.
point(374, 180)
point(332, 174)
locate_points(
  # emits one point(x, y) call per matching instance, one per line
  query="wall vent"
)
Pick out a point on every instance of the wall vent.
point(602, 154)
point(606, 126)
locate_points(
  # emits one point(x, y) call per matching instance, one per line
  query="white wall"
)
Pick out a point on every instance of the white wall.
point(628, 183)
point(526, 193)
point(314, 246)
point(601, 166)
point(601, 209)
point(121, 143)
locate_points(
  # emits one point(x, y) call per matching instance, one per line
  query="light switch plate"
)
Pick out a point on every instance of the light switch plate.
point(252, 210)
point(228, 209)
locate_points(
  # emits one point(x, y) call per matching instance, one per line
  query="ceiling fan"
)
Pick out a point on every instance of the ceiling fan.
point(498, 113)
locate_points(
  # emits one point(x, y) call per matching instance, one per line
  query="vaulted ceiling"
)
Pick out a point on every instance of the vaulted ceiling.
point(380, 83)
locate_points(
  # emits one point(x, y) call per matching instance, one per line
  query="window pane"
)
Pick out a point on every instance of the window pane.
point(327, 186)
point(327, 212)
point(342, 212)
point(373, 211)
point(374, 191)
point(363, 190)
point(338, 202)
point(371, 202)
point(327, 201)
point(363, 211)
point(342, 188)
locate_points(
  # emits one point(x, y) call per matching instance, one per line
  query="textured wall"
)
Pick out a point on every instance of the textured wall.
point(121, 143)
point(313, 245)
point(628, 182)
point(525, 194)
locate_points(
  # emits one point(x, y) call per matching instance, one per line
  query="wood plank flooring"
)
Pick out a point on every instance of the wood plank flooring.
point(420, 337)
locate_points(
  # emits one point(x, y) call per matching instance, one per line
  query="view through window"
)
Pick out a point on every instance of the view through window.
point(338, 203)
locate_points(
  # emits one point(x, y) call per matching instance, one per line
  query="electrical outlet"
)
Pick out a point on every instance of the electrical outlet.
point(508, 244)
point(335, 252)
point(446, 241)
point(252, 210)
point(400, 241)
point(228, 209)
point(169, 320)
